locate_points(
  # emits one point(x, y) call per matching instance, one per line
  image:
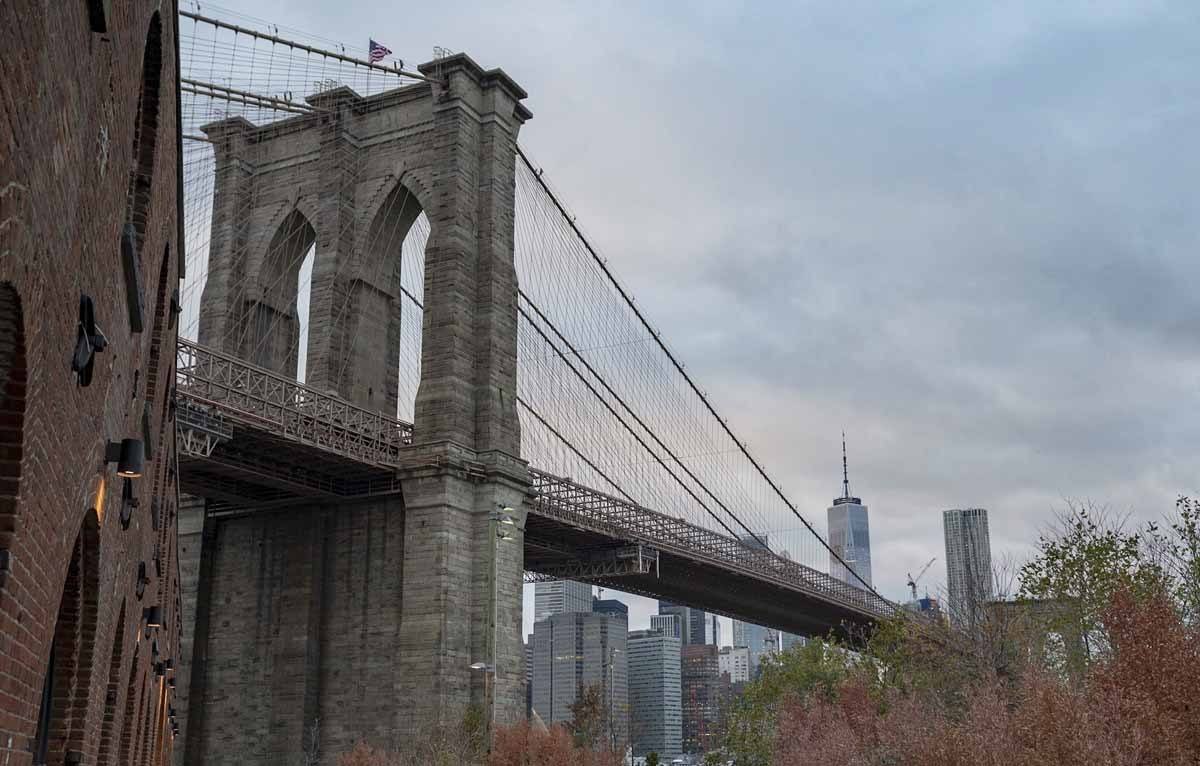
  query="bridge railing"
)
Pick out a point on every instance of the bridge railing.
point(588, 508)
point(286, 408)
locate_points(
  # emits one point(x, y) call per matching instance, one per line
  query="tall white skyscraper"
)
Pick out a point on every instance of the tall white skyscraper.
point(735, 661)
point(968, 562)
point(558, 596)
point(849, 534)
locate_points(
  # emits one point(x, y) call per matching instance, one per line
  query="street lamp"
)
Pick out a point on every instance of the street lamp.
point(612, 731)
point(503, 516)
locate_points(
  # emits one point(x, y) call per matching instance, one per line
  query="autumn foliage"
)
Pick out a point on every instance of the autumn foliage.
point(1137, 705)
point(518, 745)
point(1095, 659)
point(526, 745)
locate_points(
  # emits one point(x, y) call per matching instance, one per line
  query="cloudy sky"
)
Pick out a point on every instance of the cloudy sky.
point(963, 231)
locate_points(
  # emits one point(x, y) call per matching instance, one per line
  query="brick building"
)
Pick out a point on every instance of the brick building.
point(701, 692)
point(89, 262)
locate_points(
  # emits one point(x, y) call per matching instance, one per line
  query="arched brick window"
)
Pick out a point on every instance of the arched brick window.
point(145, 137)
point(12, 416)
point(68, 676)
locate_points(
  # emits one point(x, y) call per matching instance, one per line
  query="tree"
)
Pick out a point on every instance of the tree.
point(588, 716)
point(363, 754)
point(1176, 551)
point(816, 668)
point(524, 745)
point(1124, 690)
point(437, 746)
point(652, 759)
point(1080, 565)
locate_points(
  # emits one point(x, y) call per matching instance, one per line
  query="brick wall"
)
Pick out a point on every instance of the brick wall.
point(88, 142)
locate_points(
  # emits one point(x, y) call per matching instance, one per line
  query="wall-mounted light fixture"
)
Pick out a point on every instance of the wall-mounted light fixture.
point(153, 617)
point(142, 581)
point(89, 341)
point(129, 455)
point(129, 503)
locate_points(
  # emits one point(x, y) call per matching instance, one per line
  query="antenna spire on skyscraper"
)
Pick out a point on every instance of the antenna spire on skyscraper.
point(845, 470)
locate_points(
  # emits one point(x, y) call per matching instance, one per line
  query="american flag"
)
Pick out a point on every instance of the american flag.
point(377, 51)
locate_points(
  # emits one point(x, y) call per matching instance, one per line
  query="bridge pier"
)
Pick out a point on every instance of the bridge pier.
point(448, 613)
point(358, 618)
point(301, 611)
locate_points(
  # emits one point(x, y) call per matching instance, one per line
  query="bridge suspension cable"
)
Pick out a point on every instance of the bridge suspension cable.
point(550, 233)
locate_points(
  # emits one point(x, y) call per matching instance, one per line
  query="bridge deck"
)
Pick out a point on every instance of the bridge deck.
point(251, 438)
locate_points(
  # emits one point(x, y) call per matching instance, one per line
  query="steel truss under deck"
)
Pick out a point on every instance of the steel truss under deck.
point(227, 390)
point(582, 507)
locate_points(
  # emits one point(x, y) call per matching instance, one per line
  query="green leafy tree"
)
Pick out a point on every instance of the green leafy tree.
point(652, 759)
point(1078, 569)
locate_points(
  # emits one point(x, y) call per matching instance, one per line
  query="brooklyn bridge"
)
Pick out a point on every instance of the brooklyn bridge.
point(407, 383)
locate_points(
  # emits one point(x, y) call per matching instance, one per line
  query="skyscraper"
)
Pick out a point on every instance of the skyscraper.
point(559, 596)
point(573, 651)
point(668, 624)
point(702, 627)
point(655, 715)
point(968, 562)
point(612, 606)
point(849, 533)
point(788, 640)
point(761, 642)
point(735, 661)
point(701, 693)
point(696, 625)
point(528, 674)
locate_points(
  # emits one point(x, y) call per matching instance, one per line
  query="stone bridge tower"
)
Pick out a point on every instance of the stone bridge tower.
point(359, 620)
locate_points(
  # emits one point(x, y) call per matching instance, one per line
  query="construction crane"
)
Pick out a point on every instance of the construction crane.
point(912, 581)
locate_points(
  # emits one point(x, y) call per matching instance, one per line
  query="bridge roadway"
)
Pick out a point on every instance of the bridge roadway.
point(250, 440)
